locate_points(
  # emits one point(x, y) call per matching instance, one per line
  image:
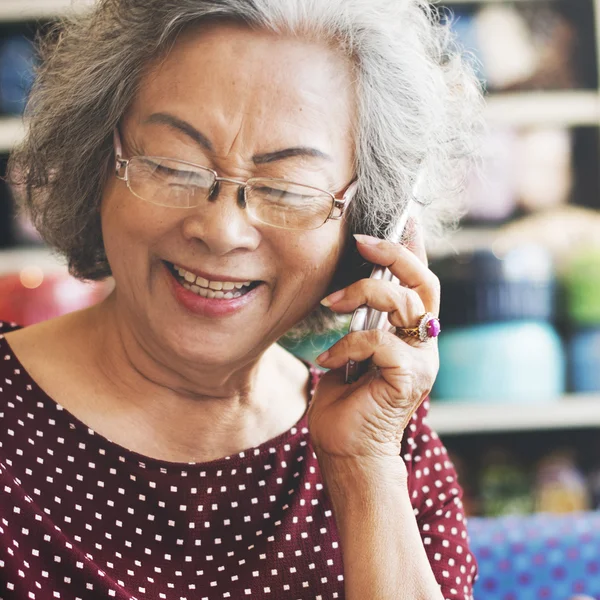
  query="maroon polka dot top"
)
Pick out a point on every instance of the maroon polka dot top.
point(81, 517)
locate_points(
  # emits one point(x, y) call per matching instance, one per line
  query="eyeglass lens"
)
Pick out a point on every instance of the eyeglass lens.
point(172, 183)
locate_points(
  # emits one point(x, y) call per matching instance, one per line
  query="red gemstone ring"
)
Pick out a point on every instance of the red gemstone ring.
point(428, 328)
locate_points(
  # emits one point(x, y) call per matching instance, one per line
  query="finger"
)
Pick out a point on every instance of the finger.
point(405, 265)
point(382, 347)
point(399, 364)
point(404, 305)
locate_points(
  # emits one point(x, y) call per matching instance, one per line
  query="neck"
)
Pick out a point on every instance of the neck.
point(187, 412)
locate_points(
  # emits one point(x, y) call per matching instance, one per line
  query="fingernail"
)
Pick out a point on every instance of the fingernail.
point(367, 240)
point(322, 357)
point(333, 298)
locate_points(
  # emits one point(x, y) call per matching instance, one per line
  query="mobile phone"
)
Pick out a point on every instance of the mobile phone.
point(364, 317)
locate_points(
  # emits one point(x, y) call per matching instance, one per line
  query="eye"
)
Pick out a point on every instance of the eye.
point(173, 175)
point(282, 196)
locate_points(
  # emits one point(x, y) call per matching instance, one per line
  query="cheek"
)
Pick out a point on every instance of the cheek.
point(313, 260)
point(129, 231)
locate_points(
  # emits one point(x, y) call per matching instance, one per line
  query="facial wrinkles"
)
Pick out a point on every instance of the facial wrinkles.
point(237, 117)
point(245, 109)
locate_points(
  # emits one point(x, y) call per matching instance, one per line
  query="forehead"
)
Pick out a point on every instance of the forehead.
point(227, 78)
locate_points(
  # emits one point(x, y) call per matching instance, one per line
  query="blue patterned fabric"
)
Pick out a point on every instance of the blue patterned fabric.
point(537, 557)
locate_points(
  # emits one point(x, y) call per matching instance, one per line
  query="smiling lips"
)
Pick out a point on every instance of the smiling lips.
point(220, 290)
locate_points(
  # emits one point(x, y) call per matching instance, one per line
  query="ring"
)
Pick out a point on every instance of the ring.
point(428, 328)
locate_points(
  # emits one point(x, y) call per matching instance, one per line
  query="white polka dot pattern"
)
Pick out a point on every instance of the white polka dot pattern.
point(81, 517)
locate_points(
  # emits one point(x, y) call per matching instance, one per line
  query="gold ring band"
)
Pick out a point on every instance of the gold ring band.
point(428, 328)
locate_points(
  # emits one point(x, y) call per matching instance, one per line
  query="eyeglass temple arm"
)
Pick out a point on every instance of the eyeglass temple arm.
point(117, 143)
point(121, 163)
point(342, 204)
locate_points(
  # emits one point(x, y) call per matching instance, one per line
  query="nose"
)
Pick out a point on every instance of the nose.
point(222, 224)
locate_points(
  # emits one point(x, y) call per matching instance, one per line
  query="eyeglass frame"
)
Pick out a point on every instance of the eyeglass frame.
point(340, 204)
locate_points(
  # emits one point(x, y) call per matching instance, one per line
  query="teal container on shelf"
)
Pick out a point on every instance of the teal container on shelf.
point(510, 362)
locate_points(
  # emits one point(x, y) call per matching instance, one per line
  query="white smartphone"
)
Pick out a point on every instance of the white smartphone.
point(365, 318)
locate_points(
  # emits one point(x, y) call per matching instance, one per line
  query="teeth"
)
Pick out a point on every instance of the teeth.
point(230, 289)
point(200, 284)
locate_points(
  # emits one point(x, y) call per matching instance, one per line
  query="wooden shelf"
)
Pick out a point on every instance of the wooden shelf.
point(452, 2)
point(568, 109)
point(463, 241)
point(11, 132)
point(576, 411)
point(32, 10)
point(15, 260)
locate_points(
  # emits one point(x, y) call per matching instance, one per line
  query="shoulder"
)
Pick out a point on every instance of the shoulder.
point(7, 360)
point(6, 327)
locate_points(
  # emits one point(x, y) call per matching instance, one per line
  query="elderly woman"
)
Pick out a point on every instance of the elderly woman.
point(216, 158)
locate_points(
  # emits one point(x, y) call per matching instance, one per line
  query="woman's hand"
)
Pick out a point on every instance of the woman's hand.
point(367, 419)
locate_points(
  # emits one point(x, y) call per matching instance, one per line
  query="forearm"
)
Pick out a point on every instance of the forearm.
point(384, 557)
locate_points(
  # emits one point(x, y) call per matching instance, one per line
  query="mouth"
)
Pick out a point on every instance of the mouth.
point(218, 290)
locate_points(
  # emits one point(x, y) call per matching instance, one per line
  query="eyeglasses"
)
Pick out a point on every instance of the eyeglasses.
point(276, 202)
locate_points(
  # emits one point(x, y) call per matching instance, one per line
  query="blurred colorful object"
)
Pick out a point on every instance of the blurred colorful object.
point(581, 279)
point(522, 46)
point(528, 169)
point(481, 287)
point(491, 189)
point(584, 361)
point(17, 64)
point(562, 232)
point(504, 485)
point(560, 487)
point(549, 557)
point(544, 175)
point(512, 362)
point(498, 342)
point(31, 296)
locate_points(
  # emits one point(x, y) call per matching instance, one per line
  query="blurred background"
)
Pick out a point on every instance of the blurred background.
point(517, 401)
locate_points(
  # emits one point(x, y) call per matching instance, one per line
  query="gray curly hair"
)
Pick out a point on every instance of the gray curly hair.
point(419, 110)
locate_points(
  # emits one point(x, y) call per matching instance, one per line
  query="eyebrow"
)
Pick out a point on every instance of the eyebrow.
point(269, 157)
point(183, 126)
point(259, 159)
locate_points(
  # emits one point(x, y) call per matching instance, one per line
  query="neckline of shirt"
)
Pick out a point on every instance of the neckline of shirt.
point(124, 455)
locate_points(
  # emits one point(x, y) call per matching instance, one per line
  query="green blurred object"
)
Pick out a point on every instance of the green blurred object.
point(581, 280)
point(310, 346)
point(505, 486)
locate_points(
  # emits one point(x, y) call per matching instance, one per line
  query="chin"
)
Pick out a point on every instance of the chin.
point(205, 347)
